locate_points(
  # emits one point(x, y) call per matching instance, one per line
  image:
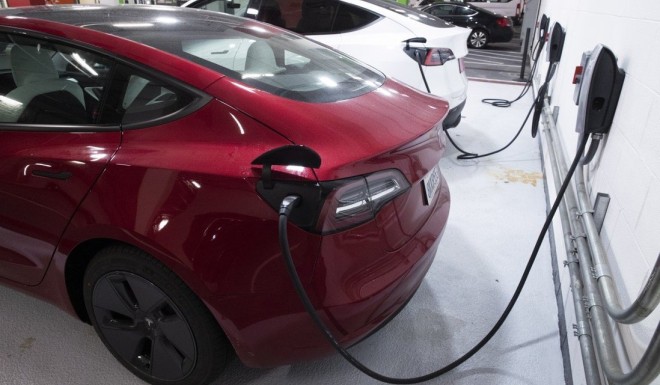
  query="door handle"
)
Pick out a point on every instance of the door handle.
point(62, 175)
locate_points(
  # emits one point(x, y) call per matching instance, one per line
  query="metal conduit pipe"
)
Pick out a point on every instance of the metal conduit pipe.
point(582, 326)
point(649, 366)
point(647, 300)
point(602, 334)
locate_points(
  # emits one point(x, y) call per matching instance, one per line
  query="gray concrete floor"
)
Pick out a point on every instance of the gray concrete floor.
point(498, 207)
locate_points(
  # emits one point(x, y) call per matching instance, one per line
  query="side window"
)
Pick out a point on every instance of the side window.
point(136, 97)
point(464, 11)
point(46, 83)
point(317, 16)
point(350, 18)
point(441, 10)
point(232, 7)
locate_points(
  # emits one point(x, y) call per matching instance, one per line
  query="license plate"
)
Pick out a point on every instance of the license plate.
point(430, 184)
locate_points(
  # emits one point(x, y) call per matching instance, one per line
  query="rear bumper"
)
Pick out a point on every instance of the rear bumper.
point(453, 116)
point(353, 302)
point(501, 35)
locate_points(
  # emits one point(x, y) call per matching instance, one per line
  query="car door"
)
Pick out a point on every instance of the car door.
point(53, 146)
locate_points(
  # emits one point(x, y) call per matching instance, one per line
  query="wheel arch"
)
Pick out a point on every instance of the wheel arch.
point(74, 271)
point(78, 260)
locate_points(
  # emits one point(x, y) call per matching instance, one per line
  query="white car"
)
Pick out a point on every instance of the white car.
point(397, 40)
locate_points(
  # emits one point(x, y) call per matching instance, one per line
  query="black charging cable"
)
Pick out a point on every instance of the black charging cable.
point(536, 53)
point(537, 107)
point(291, 201)
point(465, 155)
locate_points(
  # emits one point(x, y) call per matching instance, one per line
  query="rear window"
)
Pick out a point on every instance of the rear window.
point(275, 61)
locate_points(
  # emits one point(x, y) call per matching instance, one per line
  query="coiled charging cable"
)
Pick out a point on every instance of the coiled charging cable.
point(291, 201)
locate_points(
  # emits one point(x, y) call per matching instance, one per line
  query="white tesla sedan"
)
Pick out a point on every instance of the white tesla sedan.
point(414, 47)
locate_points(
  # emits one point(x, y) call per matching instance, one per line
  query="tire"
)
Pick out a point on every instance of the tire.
point(478, 38)
point(151, 321)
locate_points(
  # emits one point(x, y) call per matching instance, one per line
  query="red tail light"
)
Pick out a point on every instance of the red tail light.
point(503, 22)
point(430, 56)
point(355, 201)
point(438, 56)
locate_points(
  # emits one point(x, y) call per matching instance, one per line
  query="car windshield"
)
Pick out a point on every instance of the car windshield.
point(273, 60)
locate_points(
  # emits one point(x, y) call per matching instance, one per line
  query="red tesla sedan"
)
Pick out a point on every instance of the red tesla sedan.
point(144, 152)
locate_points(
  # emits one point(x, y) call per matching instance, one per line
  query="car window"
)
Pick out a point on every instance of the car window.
point(137, 97)
point(464, 11)
point(232, 7)
point(350, 18)
point(441, 10)
point(312, 17)
point(271, 60)
point(46, 83)
point(314, 74)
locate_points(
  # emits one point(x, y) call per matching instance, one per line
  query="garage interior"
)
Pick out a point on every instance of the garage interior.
point(499, 206)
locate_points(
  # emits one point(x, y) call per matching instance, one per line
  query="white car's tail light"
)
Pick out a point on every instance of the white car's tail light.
point(438, 56)
point(430, 56)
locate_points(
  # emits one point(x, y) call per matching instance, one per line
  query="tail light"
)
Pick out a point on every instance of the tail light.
point(357, 200)
point(430, 56)
point(503, 22)
point(325, 207)
point(438, 56)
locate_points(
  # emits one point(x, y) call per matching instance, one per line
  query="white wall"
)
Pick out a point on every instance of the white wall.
point(628, 167)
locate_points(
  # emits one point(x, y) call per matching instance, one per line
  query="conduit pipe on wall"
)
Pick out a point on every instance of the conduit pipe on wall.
point(586, 291)
point(582, 326)
point(647, 300)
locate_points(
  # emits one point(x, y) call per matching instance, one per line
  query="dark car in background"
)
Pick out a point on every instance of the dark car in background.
point(487, 27)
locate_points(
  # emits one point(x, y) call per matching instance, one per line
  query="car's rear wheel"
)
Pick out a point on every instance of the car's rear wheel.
point(478, 38)
point(150, 320)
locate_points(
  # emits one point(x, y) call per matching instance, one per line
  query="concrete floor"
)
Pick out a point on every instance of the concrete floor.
point(498, 207)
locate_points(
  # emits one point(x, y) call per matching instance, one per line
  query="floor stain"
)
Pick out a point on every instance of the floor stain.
point(518, 176)
point(27, 343)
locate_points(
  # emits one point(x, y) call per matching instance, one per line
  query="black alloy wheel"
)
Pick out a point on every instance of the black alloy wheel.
point(478, 38)
point(150, 321)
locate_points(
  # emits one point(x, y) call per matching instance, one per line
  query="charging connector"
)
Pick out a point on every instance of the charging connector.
point(288, 203)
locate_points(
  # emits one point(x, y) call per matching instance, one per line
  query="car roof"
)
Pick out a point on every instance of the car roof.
point(111, 19)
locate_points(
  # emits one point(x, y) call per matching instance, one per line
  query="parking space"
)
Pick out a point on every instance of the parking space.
point(497, 62)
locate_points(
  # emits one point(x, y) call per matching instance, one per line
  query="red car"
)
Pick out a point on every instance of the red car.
point(135, 193)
